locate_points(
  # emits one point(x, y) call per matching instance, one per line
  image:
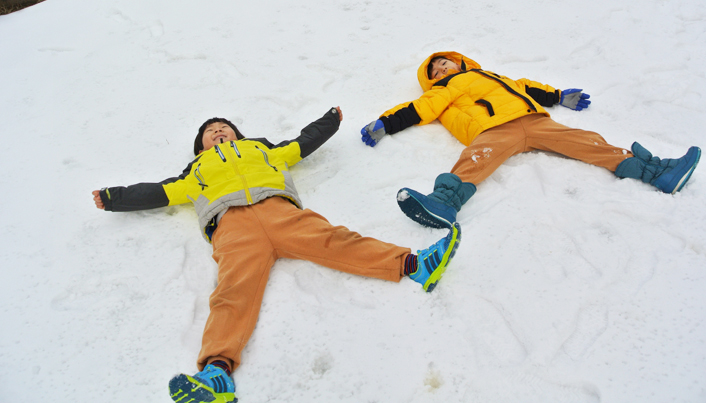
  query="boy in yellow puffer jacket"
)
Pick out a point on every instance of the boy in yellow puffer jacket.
point(250, 211)
point(497, 117)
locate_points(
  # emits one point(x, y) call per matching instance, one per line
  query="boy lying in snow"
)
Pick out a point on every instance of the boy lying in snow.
point(496, 118)
point(250, 211)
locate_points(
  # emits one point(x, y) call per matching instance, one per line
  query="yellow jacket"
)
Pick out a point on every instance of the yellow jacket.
point(470, 101)
point(236, 173)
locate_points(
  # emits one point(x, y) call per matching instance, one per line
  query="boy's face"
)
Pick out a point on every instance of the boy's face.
point(441, 67)
point(217, 133)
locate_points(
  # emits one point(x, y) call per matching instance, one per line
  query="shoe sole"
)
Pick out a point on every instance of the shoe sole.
point(416, 211)
point(450, 253)
point(686, 177)
point(185, 389)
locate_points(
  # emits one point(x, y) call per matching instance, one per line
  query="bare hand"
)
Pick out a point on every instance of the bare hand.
point(340, 114)
point(97, 199)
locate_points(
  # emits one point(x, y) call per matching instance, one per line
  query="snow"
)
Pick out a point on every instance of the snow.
point(570, 285)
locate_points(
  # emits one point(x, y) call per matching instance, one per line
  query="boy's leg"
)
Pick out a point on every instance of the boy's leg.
point(545, 134)
point(494, 146)
point(534, 132)
point(489, 150)
point(452, 190)
point(244, 256)
point(306, 235)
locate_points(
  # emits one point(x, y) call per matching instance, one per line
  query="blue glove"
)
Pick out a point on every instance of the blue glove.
point(573, 98)
point(373, 133)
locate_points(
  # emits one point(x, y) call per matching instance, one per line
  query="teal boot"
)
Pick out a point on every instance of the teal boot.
point(667, 175)
point(438, 209)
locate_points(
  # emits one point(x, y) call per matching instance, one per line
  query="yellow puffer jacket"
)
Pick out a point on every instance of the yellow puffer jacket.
point(236, 173)
point(470, 101)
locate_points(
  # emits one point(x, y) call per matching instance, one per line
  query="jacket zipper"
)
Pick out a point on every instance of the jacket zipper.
point(232, 144)
point(199, 177)
point(507, 88)
point(246, 188)
point(267, 161)
point(220, 153)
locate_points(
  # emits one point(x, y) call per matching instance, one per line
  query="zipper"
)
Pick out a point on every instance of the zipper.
point(507, 87)
point(232, 144)
point(220, 153)
point(246, 188)
point(199, 177)
point(267, 161)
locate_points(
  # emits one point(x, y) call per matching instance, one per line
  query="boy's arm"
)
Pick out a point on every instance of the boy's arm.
point(141, 196)
point(400, 117)
point(546, 95)
point(315, 134)
point(421, 111)
point(543, 94)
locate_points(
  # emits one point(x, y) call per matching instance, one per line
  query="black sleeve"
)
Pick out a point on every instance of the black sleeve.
point(316, 133)
point(141, 196)
point(400, 120)
point(542, 97)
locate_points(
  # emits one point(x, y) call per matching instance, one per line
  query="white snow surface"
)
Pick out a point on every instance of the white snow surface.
point(570, 285)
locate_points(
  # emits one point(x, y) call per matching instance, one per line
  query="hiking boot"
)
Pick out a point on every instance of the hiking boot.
point(212, 385)
point(432, 262)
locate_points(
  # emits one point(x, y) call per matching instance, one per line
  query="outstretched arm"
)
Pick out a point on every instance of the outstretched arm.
point(142, 196)
point(546, 95)
point(421, 111)
point(401, 119)
point(316, 133)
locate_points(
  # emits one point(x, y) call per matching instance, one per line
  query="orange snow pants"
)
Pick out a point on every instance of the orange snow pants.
point(533, 132)
point(247, 243)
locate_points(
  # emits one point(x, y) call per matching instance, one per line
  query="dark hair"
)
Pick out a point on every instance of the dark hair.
point(429, 66)
point(198, 142)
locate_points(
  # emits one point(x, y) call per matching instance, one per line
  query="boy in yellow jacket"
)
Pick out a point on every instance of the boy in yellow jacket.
point(497, 117)
point(250, 211)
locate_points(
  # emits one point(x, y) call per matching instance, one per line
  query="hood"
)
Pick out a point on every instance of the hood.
point(456, 57)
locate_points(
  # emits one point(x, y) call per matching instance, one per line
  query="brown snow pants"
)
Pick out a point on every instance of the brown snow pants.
point(247, 243)
point(533, 132)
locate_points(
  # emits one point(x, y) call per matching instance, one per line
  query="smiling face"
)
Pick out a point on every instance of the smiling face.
point(441, 67)
point(217, 133)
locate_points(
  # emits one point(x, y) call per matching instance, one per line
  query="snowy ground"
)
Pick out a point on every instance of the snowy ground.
point(570, 285)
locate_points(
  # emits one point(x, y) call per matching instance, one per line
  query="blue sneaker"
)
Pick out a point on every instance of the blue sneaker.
point(673, 180)
point(425, 211)
point(212, 385)
point(432, 262)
